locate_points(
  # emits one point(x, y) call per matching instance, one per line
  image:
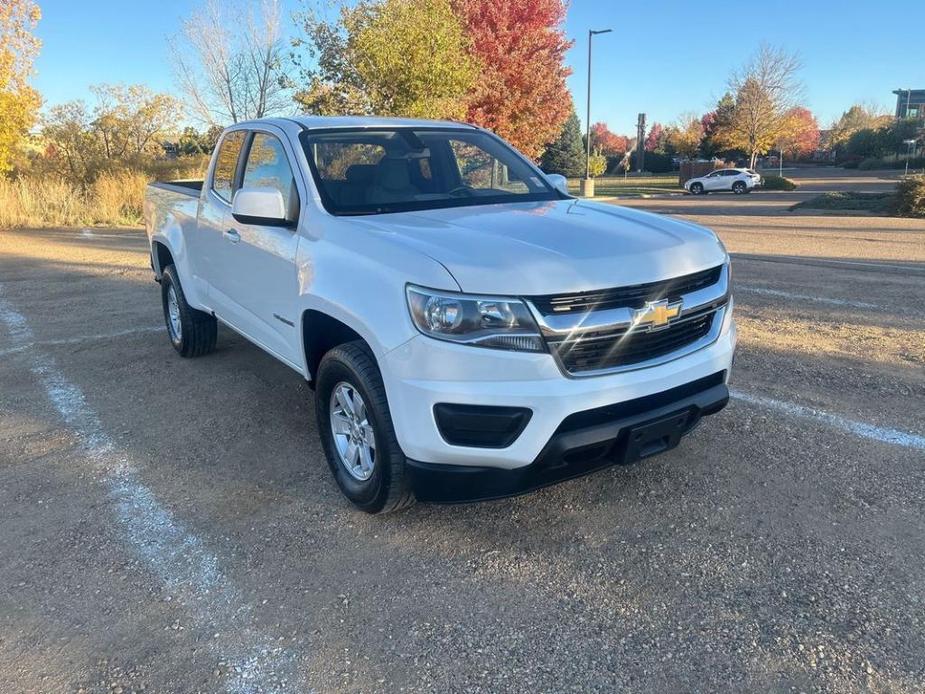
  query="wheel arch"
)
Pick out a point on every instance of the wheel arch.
point(322, 332)
point(161, 257)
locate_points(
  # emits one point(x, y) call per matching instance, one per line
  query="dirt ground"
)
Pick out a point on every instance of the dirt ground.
point(169, 525)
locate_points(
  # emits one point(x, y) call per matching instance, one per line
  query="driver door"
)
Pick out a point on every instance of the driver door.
point(259, 274)
point(713, 181)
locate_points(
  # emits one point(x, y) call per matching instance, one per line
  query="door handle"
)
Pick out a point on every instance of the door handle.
point(232, 235)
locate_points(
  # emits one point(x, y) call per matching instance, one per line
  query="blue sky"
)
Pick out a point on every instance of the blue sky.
point(663, 58)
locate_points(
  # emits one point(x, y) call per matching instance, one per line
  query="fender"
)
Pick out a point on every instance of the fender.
point(359, 279)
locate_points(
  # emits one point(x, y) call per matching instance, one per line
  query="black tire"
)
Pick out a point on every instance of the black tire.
point(739, 188)
point(696, 188)
point(387, 489)
point(198, 330)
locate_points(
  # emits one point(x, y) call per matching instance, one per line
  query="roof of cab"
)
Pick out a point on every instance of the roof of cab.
point(319, 122)
point(352, 122)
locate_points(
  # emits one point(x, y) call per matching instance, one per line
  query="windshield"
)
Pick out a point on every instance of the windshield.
point(400, 169)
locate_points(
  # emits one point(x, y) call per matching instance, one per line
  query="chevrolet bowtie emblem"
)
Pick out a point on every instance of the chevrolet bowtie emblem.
point(656, 315)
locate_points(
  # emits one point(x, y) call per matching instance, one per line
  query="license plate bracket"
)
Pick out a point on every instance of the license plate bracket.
point(656, 436)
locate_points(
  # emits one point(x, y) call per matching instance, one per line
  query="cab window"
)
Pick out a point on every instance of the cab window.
point(268, 167)
point(225, 164)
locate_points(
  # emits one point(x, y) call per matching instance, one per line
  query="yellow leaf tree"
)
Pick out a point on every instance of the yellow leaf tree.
point(765, 91)
point(19, 102)
point(686, 135)
point(390, 57)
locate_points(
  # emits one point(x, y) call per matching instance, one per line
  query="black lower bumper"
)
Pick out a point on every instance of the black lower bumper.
point(584, 442)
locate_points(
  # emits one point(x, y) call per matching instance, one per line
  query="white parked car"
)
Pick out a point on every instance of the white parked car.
point(470, 330)
point(739, 181)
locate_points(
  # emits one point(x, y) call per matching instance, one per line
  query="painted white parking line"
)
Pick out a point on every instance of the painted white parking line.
point(25, 345)
point(765, 291)
point(862, 429)
point(188, 570)
point(86, 233)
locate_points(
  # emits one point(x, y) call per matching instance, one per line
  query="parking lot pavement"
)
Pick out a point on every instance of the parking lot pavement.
point(171, 524)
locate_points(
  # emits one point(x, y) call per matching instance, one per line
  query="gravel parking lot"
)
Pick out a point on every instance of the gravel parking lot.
point(170, 525)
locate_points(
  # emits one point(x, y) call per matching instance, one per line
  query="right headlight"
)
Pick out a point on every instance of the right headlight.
point(482, 321)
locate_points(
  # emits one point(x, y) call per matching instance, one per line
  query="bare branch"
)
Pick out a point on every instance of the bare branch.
point(228, 61)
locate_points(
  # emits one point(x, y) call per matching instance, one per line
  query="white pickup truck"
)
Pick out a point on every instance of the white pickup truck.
point(470, 330)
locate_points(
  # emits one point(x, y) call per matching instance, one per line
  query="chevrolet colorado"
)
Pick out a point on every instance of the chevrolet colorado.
point(469, 329)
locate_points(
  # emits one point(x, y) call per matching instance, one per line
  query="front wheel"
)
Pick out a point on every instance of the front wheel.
point(356, 431)
point(192, 333)
point(739, 188)
point(696, 188)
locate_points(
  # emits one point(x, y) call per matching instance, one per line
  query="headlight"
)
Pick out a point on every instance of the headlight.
point(483, 321)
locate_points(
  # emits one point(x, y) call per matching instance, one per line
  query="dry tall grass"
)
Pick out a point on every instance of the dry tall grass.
point(113, 199)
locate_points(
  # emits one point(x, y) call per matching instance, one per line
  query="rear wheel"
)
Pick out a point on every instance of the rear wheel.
point(739, 187)
point(356, 431)
point(192, 333)
point(696, 188)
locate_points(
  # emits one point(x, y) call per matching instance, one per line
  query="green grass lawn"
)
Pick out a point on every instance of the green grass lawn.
point(631, 185)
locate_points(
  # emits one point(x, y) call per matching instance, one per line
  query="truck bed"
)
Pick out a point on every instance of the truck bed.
point(190, 188)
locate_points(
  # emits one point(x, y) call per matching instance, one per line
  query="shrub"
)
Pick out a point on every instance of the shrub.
point(891, 163)
point(597, 165)
point(655, 162)
point(876, 203)
point(911, 197)
point(778, 183)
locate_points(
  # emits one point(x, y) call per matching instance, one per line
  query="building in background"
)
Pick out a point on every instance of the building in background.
point(910, 103)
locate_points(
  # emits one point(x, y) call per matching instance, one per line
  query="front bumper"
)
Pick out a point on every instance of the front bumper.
point(583, 443)
point(423, 373)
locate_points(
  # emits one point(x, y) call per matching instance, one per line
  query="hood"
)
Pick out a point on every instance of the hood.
point(553, 247)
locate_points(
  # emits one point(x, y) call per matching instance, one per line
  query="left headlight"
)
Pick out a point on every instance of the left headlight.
point(483, 321)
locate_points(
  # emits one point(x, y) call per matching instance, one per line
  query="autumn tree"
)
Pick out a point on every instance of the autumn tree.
point(655, 140)
point(19, 102)
point(686, 135)
point(193, 142)
point(765, 91)
point(229, 61)
point(520, 47)
point(124, 128)
point(608, 143)
point(714, 124)
point(388, 57)
point(801, 135)
point(597, 164)
point(858, 117)
point(566, 155)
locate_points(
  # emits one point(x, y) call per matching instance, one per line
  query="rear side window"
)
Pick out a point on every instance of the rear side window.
point(268, 167)
point(225, 164)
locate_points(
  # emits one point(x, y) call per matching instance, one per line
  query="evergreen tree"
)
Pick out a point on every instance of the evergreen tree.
point(566, 155)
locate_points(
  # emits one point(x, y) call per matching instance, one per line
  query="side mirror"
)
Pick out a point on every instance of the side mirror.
point(559, 182)
point(260, 206)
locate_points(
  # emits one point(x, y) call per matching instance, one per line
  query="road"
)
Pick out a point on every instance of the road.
point(169, 525)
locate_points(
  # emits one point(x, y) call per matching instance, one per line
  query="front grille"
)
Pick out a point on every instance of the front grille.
point(633, 296)
point(624, 348)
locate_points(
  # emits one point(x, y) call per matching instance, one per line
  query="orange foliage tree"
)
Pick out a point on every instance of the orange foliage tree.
point(520, 92)
point(608, 142)
point(801, 137)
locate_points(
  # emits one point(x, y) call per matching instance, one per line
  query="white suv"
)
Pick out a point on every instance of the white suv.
point(739, 181)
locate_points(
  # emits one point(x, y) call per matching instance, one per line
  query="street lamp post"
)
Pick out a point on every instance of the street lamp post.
point(587, 184)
